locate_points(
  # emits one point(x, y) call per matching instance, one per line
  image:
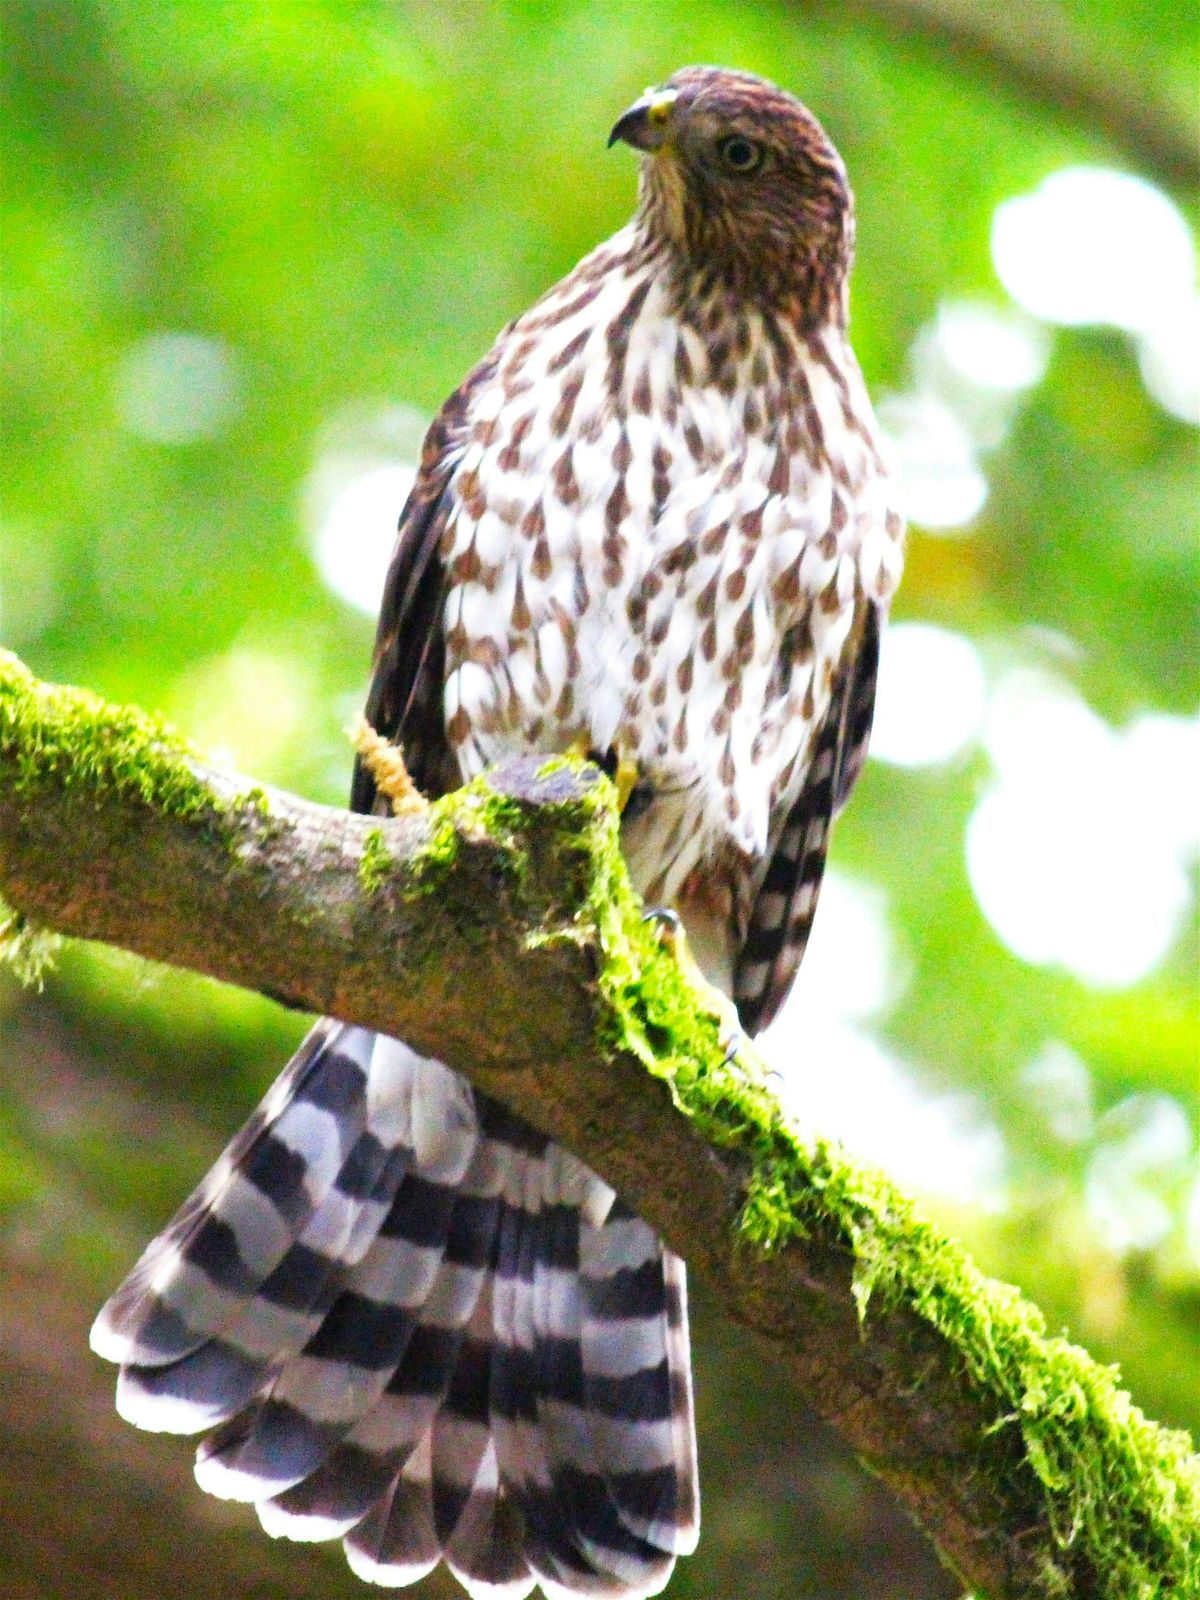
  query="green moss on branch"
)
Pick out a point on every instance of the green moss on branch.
point(374, 862)
point(51, 733)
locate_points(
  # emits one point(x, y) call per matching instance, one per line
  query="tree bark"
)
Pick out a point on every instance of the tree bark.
point(497, 931)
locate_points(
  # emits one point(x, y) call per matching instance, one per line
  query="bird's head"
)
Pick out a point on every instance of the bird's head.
point(740, 179)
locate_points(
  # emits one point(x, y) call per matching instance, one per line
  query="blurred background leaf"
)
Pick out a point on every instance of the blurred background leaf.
point(247, 250)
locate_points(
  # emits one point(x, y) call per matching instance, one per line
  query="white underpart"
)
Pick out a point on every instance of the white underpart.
point(512, 703)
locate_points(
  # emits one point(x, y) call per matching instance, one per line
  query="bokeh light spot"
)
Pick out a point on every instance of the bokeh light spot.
point(988, 348)
point(1077, 853)
point(1139, 1171)
point(1058, 1087)
point(931, 696)
point(1090, 245)
point(356, 538)
point(1169, 359)
point(939, 482)
point(853, 916)
point(177, 388)
point(355, 494)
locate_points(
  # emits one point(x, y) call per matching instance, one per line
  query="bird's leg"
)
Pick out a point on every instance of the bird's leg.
point(669, 931)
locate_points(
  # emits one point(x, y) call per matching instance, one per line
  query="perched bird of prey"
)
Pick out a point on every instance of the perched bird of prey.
point(653, 524)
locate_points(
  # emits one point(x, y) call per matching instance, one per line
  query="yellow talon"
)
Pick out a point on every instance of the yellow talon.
point(625, 778)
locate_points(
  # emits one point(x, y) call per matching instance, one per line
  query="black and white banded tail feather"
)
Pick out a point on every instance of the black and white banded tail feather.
point(785, 904)
point(414, 1323)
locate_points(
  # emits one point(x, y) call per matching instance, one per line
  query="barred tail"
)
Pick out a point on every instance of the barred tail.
point(412, 1322)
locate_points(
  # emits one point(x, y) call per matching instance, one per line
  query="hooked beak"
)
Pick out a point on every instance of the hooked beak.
point(646, 124)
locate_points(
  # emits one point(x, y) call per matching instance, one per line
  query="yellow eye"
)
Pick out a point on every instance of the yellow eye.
point(739, 154)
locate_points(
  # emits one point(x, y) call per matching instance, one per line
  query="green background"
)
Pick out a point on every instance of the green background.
point(349, 200)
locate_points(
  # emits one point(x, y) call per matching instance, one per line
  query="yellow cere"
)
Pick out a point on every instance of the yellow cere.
point(661, 101)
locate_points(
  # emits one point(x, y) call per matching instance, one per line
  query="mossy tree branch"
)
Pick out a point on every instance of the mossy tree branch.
point(498, 931)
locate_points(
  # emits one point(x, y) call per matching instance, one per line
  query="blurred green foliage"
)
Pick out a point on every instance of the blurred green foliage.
point(350, 199)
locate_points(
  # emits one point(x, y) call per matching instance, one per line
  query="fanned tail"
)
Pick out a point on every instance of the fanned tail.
point(413, 1323)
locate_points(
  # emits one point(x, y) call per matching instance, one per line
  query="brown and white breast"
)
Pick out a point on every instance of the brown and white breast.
point(631, 566)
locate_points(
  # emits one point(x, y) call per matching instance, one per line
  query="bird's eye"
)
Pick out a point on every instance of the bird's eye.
point(739, 154)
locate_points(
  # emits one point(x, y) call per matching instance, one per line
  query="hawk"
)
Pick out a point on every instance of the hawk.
point(653, 524)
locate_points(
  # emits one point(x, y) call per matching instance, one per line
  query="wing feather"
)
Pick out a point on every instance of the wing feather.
point(782, 914)
point(404, 702)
